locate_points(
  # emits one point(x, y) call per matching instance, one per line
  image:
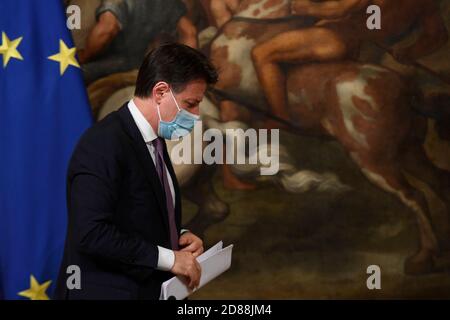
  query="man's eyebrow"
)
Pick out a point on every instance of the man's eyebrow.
point(193, 100)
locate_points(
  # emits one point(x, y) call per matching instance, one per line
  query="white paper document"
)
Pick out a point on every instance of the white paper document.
point(215, 261)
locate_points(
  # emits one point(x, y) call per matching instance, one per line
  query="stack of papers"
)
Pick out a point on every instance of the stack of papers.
point(214, 262)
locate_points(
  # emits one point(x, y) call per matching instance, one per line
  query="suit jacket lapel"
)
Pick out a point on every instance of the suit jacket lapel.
point(145, 159)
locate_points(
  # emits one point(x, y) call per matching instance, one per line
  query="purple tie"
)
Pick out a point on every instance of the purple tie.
point(162, 173)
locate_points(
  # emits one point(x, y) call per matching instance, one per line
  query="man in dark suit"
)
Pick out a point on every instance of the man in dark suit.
point(124, 230)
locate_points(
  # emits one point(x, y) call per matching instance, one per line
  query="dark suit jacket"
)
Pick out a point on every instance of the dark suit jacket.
point(117, 214)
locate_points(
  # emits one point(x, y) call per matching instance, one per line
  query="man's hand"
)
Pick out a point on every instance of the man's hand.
point(191, 243)
point(188, 268)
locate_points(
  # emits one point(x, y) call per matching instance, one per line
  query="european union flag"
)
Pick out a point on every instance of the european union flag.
point(43, 111)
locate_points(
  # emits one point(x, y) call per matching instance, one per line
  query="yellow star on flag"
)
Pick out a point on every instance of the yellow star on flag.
point(9, 49)
point(65, 57)
point(36, 291)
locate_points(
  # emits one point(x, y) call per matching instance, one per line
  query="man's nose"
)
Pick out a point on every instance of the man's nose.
point(196, 111)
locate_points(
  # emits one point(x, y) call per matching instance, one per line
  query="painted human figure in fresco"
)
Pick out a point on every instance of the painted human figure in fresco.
point(216, 12)
point(338, 35)
point(223, 10)
point(125, 29)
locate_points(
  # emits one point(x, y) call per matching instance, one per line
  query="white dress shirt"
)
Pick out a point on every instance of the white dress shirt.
point(166, 257)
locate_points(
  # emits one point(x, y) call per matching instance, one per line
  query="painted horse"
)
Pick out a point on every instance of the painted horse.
point(367, 108)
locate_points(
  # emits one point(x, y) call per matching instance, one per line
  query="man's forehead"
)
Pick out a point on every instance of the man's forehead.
point(196, 85)
point(194, 91)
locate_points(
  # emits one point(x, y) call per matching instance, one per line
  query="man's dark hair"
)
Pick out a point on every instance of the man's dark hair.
point(176, 64)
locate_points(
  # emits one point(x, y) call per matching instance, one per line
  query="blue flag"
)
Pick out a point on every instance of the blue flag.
point(43, 111)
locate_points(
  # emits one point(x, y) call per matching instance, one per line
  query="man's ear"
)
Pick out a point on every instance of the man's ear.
point(159, 90)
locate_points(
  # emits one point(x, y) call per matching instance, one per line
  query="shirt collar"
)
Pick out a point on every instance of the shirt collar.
point(143, 125)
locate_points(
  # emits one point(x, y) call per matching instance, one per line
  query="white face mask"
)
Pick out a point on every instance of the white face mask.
point(180, 126)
